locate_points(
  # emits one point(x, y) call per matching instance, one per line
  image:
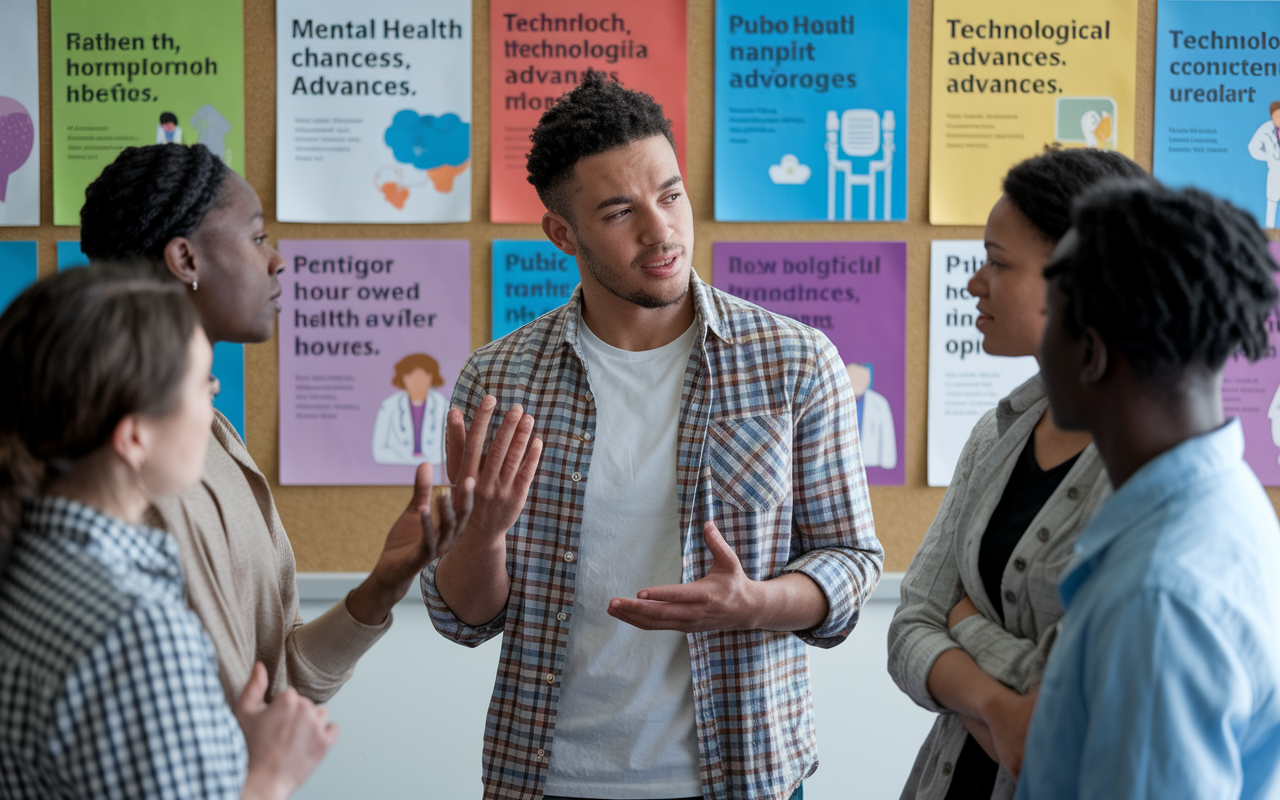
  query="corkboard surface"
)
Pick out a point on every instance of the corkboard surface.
point(340, 529)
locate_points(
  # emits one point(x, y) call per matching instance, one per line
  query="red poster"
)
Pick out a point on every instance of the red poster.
point(540, 49)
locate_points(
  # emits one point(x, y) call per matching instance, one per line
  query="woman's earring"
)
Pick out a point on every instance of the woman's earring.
point(195, 285)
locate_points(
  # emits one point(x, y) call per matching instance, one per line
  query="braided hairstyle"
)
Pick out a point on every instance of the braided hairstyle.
point(1167, 277)
point(597, 116)
point(1043, 186)
point(147, 197)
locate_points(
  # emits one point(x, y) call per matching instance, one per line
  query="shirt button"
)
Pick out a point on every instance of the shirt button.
point(551, 677)
point(1010, 597)
point(562, 616)
point(586, 437)
point(1043, 534)
point(590, 396)
point(569, 556)
point(1020, 564)
point(946, 768)
point(1073, 493)
point(542, 752)
point(576, 476)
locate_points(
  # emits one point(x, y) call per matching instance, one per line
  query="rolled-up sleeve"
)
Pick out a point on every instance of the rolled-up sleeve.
point(931, 588)
point(833, 525)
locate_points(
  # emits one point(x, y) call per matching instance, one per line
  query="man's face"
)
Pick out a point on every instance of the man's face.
point(632, 223)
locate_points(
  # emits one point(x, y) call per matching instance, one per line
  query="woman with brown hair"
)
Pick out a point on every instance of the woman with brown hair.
point(410, 425)
point(108, 684)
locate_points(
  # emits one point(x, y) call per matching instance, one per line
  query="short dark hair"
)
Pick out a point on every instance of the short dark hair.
point(147, 197)
point(168, 116)
point(599, 115)
point(1167, 277)
point(79, 351)
point(1044, 186)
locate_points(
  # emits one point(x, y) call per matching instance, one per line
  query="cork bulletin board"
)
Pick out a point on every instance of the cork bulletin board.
point(340, 529)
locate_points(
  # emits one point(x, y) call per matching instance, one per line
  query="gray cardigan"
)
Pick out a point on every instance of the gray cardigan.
point(945, 568)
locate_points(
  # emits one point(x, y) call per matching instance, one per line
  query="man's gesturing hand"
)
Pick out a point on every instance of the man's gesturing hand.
point(502, 475)
point(725, 599)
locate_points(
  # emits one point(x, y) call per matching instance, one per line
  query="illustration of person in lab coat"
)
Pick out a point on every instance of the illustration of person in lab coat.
point(410, 425)
point(1273, 414)
point(1265, 146)
point(168, 131)
point(875, 420)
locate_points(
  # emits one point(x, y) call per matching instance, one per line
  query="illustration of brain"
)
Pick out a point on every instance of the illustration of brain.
point(428, 142)
point(17, 135)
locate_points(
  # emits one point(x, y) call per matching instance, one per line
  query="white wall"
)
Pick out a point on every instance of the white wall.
point(413, 716)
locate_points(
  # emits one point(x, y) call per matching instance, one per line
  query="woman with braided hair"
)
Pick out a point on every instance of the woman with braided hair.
point(979, 602)
point(203, 225)
point(1165, 681)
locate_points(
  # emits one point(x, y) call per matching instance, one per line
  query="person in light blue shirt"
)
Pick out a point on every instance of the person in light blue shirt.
point(1165, 681)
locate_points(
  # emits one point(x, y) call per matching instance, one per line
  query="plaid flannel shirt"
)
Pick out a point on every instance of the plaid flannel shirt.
point(768, 449)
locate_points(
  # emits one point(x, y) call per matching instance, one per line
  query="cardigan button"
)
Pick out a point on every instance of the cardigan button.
point(1073, 493)
point(1043, 534)
point(1020, 564)
point(946, 768)
point(1010, 597)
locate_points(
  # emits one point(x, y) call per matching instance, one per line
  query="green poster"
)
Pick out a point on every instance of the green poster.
point(137, 72)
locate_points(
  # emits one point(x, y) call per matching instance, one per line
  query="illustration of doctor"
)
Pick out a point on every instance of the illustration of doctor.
point(875, 420)
point(1265, 146)
point(410, 424)
point(168, 131)
point(1273, 414)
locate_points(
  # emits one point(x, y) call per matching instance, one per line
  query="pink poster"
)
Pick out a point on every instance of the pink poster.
point(372, 336)
point(1252, 393)
point(855, 293)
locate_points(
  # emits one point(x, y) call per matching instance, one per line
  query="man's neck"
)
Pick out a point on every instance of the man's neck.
point(1142, 424)
point(627, 326)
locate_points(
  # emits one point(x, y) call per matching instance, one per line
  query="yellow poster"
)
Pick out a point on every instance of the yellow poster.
point(1009, 77)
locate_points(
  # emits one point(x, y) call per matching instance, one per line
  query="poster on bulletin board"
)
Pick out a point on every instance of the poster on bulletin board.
point(19, 114)
point(138, 73)
point(856, 294)
point(18, 270)
point(372, 337)
point(965, 382)
point(1011, 76)
point(1252, 393)
point(530, 278)
point(373, 111)
point(538, 50)
point(1218, 100)
point(811, 110)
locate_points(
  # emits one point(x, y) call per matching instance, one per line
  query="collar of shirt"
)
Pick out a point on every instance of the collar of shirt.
point(1011, 408)
point(1168, 474)
point(709, 317)
point(124, 548)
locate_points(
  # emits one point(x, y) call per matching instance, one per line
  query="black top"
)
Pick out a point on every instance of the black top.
point(1028, 489)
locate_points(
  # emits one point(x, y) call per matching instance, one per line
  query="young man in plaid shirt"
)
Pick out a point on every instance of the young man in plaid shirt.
point(672, 507)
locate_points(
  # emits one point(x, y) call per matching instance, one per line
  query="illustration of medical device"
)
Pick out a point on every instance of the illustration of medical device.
point(858, 133)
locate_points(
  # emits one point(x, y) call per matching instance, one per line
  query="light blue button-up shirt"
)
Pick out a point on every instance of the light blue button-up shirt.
point(1165, 681)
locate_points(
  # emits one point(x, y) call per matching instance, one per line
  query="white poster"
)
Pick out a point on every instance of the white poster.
point(373, 111)
point(19, 115)
point(964, 382)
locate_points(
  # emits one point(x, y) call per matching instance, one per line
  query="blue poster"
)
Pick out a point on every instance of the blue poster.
point(228, 358)
point(811, 110)
point(1218, 100)
point(18, 269)
point(530, 278)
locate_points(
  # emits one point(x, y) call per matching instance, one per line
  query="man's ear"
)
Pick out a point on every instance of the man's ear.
point(560, 232)
point(180, 258)
point(1093, 367)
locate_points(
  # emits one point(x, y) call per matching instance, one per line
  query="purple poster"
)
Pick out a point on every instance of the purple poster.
point(855, 293)
point(1252, 393)
point(372, 336)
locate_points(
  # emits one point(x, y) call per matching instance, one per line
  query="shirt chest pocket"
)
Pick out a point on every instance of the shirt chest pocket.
point(750, 460)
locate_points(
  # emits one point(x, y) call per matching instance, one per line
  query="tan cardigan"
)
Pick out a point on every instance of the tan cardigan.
point(240, 577)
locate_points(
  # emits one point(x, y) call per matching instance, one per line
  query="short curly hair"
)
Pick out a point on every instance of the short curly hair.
point(1043, 186)
point(599, 115)
point(1168, 277)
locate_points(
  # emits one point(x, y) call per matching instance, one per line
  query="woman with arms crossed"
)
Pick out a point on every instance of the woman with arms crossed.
point(108, 685)
point(980, 600)
point(183, 208)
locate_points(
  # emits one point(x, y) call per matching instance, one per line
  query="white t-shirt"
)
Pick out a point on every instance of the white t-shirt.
point(625, 722)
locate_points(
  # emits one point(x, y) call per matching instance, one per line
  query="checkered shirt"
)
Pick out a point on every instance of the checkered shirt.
point(108, 685)
point(768, 449)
